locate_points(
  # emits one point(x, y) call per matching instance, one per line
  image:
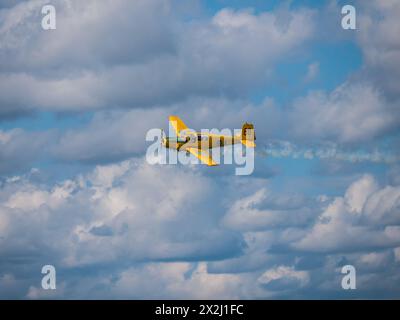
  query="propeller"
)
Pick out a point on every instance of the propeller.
point(163, 138)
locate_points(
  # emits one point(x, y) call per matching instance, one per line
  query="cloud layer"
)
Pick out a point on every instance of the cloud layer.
point(117, 227)
point(160, 232)
point(135, 54)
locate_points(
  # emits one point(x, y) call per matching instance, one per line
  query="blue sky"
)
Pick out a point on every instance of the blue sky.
point(76, 190)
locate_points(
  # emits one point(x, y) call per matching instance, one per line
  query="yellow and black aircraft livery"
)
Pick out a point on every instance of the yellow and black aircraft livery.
point(200, 143)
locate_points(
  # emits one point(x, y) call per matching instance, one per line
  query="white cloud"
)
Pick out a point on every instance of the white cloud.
point(245, 214)
point(357, 194)
point(159, 211)
point(176, 280)
point(85, 34)
point(124, 137)
point(19, 148)
point(161, 232)
point(383, 207)
point(355, 222)
point(377, 35)
point(364, 107)
point(156, 57)
point(30, 198)
point(353, 112)
point(141, 231)
point(286, 276)
point(375, 260)
point(35, 293)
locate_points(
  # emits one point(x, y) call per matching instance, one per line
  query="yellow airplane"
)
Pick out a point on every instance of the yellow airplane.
point(199, 144)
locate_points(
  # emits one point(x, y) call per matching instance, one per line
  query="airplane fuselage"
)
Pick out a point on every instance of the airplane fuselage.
point(200, 141)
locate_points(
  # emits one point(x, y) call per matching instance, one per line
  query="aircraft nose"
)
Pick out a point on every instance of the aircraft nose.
point(163, 139)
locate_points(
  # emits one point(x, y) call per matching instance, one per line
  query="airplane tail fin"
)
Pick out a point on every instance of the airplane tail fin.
point(177, 124)
point(248, 135)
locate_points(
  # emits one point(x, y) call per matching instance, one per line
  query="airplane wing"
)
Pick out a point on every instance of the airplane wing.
point(249, 143)
point(203, 155)
point(179, 126)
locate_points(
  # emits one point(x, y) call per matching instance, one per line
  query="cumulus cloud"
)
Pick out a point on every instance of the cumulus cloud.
point(246, 215)
point(127, 129)
point(178, 280)
point(131, 230)
point(378, 27)
point(86, 35)
point(364, 107)
point(284, 277)
point(133, 226)
point(35, 293)
point(109, 198)
point(353, 112)
point(137, 54)
point(112, 215)
point(124, 137)
point(19, 149)
point(366, 217)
